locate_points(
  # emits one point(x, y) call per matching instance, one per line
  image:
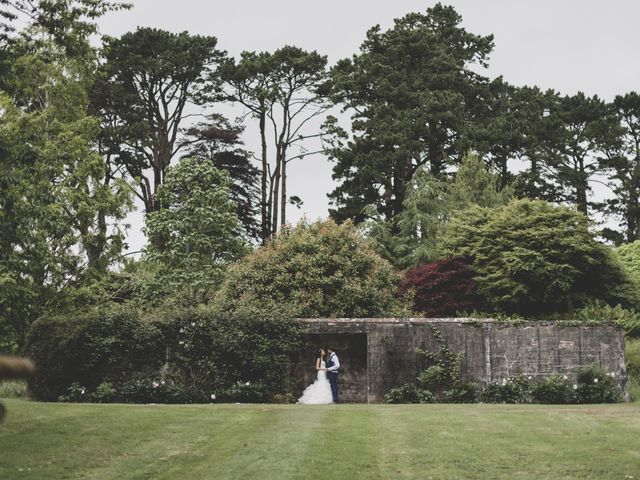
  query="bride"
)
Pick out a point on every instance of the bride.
point(319, 391)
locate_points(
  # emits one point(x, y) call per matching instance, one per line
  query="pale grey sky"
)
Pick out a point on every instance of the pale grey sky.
point(568, 45)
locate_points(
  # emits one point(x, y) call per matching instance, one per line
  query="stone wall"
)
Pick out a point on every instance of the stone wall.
point(378, 354)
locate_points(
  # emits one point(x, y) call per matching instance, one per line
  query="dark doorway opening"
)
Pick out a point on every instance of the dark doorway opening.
point(351, 349)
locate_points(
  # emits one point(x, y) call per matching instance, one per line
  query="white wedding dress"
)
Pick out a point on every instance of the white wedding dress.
point(319, 392)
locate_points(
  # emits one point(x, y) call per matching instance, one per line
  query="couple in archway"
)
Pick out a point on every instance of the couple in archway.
point(325, 388)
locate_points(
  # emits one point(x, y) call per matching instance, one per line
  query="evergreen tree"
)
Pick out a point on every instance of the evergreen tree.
point(412, 92)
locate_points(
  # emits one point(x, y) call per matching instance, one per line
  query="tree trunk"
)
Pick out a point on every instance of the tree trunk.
point(581, 189)
point(276, 194)
point(283, 201)
point(265, 226)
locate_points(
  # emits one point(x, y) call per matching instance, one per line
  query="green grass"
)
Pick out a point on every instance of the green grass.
point(89, 441)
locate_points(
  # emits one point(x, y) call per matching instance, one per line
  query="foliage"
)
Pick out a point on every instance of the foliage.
point(408, 393)
point(314, 270)
point(13, 389)
point(217, 141)
point(510, 390)
point(146, 81)
point(99, 346)
point(56, 200)
point(461, 392)
point(195, 233)
point(410, 238)
point(553, 390)
point(442, 288)
point(70, 23)
point(589, 385)
point(413, 94)
point(596, 386)
point(532, 258)
point(440, 381)
point(218, 351)
point(632, 359)
point(629, 256)
point(627, 319)
point(283, 91)
point(622, 165)
point(573, 134)
point(173, 357)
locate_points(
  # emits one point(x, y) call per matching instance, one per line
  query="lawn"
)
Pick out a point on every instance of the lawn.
point(88, 441)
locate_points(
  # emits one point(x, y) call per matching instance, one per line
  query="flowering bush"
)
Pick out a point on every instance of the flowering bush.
point(593, 385)
point(509, 390)
point(555, 389)
point(76, 393)
point(245, 392)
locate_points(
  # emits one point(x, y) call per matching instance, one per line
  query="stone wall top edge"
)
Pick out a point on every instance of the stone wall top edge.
point(461, 320)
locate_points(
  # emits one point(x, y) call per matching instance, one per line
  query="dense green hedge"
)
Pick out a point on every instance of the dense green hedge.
point(119, 355)
point(89, 348)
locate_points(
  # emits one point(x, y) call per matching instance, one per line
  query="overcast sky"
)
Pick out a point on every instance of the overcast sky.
point(569, 45)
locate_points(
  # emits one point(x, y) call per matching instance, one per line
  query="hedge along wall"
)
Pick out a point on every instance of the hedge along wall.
point(378, 354)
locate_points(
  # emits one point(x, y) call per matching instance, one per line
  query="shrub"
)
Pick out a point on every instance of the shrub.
point(115, 356)
point(76, 393)
point(632, 357)
point(442, 288)
point(553, 390)
point(409, 393)
point(314, 270)
point(532, 258)
point(105, 393)
point(629, 256)
point(246, 392)
point(216, 351)
point(13, 389)
point(89, 349)
point(153, 389)
point(596, 386)
point(628, 320)
point(509, 390)
point(462, 392)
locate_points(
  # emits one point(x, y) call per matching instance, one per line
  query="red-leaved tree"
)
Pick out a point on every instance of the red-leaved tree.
point(442, 288)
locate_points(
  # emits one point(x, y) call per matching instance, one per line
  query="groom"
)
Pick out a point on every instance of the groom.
point(333, 364)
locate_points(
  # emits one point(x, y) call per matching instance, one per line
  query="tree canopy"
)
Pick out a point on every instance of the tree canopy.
point(314, 270)
point(532, 258)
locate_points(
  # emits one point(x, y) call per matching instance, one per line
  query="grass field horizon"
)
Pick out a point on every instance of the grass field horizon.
point(226, 441)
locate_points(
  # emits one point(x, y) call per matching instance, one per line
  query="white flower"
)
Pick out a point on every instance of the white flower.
point(613, 374)
point(575, 387)
point(504, 381)
point(565, 377)
point(595, 380)
point(82, 392)
point(213, 396)
point(193, 324)
point(529, 377)
point(155, 384)
point(247, 384)
point(182, 330)
point(181, 342)
point(162, 382)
